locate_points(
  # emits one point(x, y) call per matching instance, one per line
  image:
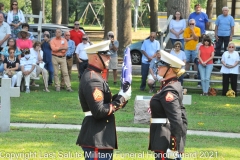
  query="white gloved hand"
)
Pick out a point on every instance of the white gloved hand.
point(171, 154)
point(126, 95)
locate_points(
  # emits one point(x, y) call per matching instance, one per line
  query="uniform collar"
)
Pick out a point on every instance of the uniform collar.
point(93, 68)
point(168, 81)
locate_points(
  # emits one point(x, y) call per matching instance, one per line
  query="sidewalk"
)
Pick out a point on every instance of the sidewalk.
point(124, 129)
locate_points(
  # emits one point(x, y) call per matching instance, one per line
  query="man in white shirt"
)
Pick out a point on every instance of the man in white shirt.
point(81, 55)
point(28, 70)
point(5, 33)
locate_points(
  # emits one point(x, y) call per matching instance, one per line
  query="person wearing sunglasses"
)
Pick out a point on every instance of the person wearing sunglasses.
point(177, 52)
point(224, 30)
point(230, 69)
point(191, 37)
point(114, 57)
point(76, 35)
point(168, 128)
point(15, 18)
point(205, 66)
point(82, 55)
point(28, 69)
point(98, 132)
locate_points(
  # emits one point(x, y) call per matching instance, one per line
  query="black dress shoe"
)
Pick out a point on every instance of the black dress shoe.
point(195, 76)
point(187, 76)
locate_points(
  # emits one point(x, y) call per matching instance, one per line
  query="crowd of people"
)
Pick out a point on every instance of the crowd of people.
point(25, 58)
point(191, 44)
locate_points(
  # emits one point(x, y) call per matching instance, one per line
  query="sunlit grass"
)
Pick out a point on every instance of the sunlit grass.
point(217, 113)
point(60, 144)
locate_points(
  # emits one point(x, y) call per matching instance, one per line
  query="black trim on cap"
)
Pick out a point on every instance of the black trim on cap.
point(162, 63)
point(107, 52)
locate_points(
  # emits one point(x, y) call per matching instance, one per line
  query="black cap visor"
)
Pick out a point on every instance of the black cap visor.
point(162, 63)
point(106, 53)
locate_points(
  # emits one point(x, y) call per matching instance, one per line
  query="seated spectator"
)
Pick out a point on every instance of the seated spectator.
point(37, 53)
point(179, 54)
point(23, 42)
point(28, 69)
point(15, 18)
point(230, 69)
point(11, 64)
point(205, 66)
point(47, 56)
point(25, 26)
point(11, 43)
point(2, 11)
point(153, 76)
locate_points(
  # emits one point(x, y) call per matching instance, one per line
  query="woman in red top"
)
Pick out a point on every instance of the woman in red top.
point(23, 42)
point(205, 66)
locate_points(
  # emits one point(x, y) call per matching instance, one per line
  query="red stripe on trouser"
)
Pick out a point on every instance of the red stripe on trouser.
point(95, 153)
point(162, 154)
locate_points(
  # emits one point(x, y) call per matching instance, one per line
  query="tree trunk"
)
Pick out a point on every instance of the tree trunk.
point(36, 8)
point(76, 15)
point(209, 13)
point(178, 5)
point(124, 24)
point(233, 9)
point(183, 6)
point(56, 11)
point(219, 5)
point(110, 17)
point(65, 11)
point(43, 11)
point(154, 15)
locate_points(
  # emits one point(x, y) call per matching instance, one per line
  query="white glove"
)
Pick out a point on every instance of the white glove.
point(171, 154)
point(126, 95)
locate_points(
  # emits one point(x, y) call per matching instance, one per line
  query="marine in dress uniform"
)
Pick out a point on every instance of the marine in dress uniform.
point(97, 136)
point(168, 116)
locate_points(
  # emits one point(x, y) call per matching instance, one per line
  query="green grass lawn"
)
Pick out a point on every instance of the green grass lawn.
point(206, 113)
point(36, 144)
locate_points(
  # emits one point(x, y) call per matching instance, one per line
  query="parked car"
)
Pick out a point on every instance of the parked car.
point(135, 51)
point(50, 27)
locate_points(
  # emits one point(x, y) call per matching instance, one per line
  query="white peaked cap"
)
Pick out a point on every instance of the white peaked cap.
point(100, 47)
point(172, 60)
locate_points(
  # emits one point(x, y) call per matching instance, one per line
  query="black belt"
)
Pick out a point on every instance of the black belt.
point(83, 60)
point(68, 57)
point(58, 56)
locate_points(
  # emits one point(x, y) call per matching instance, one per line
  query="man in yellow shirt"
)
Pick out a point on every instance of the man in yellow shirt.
point(191, 35)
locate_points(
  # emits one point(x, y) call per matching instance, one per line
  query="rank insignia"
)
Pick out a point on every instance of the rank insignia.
point(169, 97)
point(97, 95)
